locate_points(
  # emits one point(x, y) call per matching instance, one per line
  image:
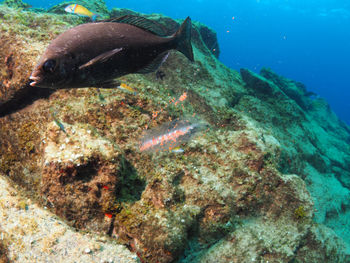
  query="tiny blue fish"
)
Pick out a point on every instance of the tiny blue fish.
point(177, 150)
point(58, 123)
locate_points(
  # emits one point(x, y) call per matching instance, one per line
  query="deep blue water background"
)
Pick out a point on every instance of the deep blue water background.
point(305, 40)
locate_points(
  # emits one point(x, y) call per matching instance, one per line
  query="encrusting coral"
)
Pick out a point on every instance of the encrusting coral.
point(244, 190)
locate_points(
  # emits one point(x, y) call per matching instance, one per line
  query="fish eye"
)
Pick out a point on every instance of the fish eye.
point(72, 55)
point(49, 66)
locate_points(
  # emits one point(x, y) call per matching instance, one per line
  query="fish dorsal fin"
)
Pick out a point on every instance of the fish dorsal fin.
point(101, 58)
point(155, 64)
point(141, 22)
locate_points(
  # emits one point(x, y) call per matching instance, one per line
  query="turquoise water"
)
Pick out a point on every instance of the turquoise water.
point(304, 40)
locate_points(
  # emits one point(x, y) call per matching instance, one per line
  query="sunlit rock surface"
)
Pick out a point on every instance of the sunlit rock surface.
point(30, 233)
point(268, 181)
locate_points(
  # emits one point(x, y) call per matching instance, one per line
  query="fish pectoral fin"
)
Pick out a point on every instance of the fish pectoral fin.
point(111, 84)
point(141, 22)
point(101, 58)
point(155, 64)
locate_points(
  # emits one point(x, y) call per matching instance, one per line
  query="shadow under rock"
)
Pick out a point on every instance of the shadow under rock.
point(23, 98)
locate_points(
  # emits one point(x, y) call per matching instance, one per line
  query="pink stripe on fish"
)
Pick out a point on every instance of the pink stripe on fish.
point(170, 135)
point(166, 139)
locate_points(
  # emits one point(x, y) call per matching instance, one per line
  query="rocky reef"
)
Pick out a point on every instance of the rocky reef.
point(268, 181)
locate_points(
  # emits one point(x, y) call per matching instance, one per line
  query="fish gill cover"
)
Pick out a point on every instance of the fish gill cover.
point(268, 180)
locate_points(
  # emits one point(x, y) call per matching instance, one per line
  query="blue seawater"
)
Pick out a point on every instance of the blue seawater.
point(305, 40)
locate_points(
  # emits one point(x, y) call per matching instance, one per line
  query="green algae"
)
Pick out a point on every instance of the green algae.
point(27, 23)
point(15, 3)
point(130, 186)
point(300, 213)
point(26, 137)
point(28, 134)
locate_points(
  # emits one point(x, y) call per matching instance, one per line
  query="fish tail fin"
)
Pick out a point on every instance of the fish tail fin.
point(183, 39)
point(94, 16)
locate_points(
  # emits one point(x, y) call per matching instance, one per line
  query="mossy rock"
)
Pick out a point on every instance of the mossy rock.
point(258, 84)
point(293, 89)
point(209, 37)
point(116, 12)
point(16, 4)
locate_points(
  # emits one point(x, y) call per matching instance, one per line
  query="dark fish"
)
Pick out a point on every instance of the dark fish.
point(160, 75)
point(94, 54)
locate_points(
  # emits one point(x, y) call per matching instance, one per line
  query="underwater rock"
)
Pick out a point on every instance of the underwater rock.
point(276, 242)
point(116, 12)
point(273, 161)
point(294, 90)
point(258, 83)
point(30, 233)
point(210, 39)
point(322, 245)
point(312, 144)
point(205, 204)
point(15, 72)
point(80, 175)
point(3, 253)
point(15, 3)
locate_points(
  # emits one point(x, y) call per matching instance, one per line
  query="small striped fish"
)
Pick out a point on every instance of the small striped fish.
point(81, 11)
point(170, 135)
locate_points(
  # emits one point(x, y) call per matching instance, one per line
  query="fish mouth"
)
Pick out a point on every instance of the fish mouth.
point(34, 80)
